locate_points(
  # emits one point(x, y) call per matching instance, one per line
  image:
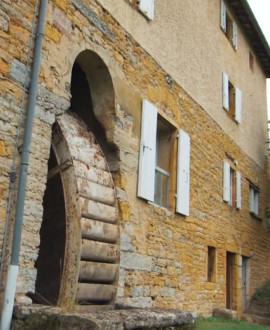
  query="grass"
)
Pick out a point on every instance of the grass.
point(220, 324)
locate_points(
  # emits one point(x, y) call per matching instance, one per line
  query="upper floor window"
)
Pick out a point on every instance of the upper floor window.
point(254, 200)
point(147, 8)
point(163, 163)
point(228, 25)
point(156, 168)
point(232, 99)
point(231, 185)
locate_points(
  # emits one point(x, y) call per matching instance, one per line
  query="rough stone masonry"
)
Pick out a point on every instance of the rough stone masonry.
point(163, 257)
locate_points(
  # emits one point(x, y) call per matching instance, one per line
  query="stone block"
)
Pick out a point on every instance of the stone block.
point(61, 22)
point(121, 194)
point(167, 292)
point(124, 210)
point(2, 148)
point(224, 313)
point(93, 18)
point(135, 261)
point(4, 21)
point(126, 243)
point(138, 302)
point(20, 73)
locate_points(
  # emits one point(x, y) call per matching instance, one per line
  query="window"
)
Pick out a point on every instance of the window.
point(232, 99)
point(228, 26)
point(211, 264)
point(251, 62)
point(231, 186)
point(254, 200)
point(163, 163)
point(155, 167)
point(147, 8)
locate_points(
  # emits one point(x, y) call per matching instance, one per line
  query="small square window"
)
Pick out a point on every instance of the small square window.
point(254, 200)
point(211, 264)
point(251, 62)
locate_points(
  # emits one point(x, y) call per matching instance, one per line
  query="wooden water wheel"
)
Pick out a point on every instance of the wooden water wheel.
point(91, 262)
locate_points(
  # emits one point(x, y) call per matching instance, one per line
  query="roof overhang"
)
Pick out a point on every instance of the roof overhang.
point(253, 32)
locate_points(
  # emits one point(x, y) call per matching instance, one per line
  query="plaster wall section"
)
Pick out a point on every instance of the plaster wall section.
point(196, 57)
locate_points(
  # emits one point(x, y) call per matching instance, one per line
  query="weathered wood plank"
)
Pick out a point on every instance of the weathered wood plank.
point(98, 211)
point(89, 157)
point(99, 251)
point(93, 174)
point(95, 292)
point(97, 272)
point(99, 231)
point(96, 192)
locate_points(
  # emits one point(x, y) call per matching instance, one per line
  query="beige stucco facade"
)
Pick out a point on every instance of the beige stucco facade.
point(162, 256)
point(196, 55)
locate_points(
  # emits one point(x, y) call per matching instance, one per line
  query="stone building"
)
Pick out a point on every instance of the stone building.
point(147, 182)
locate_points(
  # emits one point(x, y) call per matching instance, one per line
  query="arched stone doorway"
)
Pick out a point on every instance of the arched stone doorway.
point(86, 266)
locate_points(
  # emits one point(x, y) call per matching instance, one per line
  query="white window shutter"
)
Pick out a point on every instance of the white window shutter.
point(147, 160)
point(147, 8)
point(251, 199)
point(226, 182)
point(223, 16)
point(238, 105)
point(234, 36)
point(225, 89)
point(183, 173)
point(238, 191)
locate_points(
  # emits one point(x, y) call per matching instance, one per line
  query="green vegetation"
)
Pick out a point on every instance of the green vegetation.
point(262, 295)
point(220, 324)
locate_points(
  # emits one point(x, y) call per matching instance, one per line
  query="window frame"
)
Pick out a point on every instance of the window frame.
point(232, 185)
point(180, 163)
point(163, 125)
point(231, 99)
point(228, 25)
point(253, 200)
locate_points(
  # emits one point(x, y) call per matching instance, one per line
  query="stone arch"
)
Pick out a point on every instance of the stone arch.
point(93, 99)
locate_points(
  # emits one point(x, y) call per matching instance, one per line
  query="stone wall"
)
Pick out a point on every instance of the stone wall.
point(163, 254)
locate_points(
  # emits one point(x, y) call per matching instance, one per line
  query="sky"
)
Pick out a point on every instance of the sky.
point(261, 10)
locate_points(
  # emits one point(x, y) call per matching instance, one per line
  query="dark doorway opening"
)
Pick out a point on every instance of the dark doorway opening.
point(230, 261)
point(49, 264)
point(245, 266)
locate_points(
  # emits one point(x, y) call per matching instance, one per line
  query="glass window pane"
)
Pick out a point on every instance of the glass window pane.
point(162, 189)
